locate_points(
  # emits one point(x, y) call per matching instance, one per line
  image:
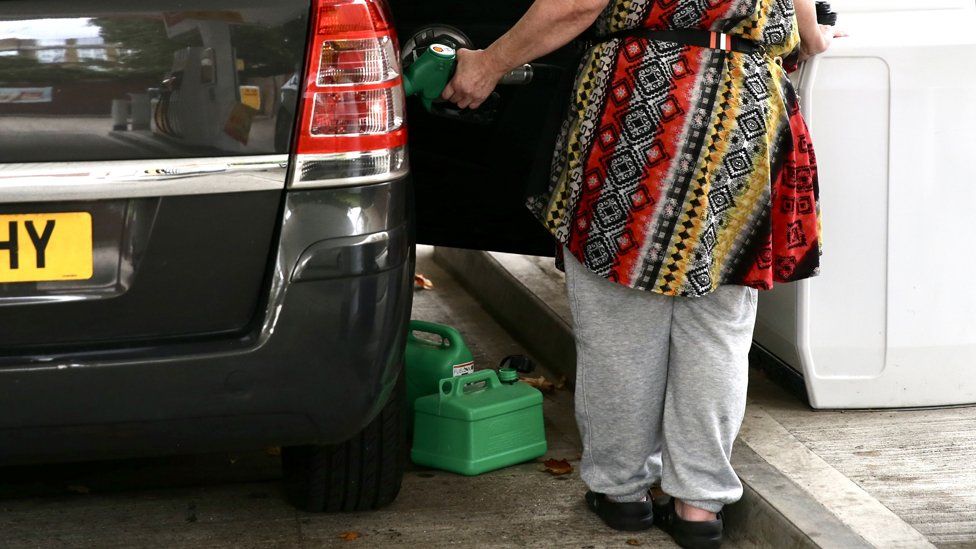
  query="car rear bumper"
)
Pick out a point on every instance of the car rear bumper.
point(324, 352)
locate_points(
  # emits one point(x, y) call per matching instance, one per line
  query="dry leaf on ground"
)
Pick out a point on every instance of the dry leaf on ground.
point(540, 383)
point(633, 542)
point(349, 536)
point(558, 467)
point(273, 450)
point(422, 282)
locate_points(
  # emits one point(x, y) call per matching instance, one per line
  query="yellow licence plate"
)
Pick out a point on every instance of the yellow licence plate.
point(45, 246)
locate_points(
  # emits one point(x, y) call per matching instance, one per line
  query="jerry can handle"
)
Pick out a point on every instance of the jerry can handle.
point(452, 336)
point(454, 386)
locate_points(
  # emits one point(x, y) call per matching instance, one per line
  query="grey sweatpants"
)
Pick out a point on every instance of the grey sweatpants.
point(661, 387)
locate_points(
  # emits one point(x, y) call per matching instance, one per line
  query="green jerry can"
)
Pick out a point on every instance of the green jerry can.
point(427, 362)
point(476, 424)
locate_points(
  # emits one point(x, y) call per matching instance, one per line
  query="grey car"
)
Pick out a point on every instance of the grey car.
point(203, 248)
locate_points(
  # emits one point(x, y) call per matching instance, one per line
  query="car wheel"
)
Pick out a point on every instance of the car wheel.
point(360, 474)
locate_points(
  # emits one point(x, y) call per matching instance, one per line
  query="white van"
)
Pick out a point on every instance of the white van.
point(892, 320)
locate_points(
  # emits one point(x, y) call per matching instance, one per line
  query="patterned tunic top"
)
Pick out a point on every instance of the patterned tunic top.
point(680, 168)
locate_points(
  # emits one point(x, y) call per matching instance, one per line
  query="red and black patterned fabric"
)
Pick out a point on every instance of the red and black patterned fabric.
point(680, 168)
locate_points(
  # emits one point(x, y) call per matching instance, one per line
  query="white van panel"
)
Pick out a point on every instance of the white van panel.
point(892, 320)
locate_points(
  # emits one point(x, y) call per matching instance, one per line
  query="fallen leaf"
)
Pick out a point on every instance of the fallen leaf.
point(557, 467)
point(349, 536)
point(78, 489)
point(273, 450)
point(422, 282)
point(540, 383)
point(633, 542)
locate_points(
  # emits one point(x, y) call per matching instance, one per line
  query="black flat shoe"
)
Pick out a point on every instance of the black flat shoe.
point(627, 517)
point(660, 506)
point(686, 533)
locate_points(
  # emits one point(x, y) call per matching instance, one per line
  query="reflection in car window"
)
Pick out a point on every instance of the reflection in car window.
point(148, 84)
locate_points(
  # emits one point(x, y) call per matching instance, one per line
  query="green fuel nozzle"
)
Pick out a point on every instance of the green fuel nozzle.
point(429, 74)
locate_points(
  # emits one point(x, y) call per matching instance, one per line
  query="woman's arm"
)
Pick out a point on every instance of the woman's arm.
point(546, 26)
point(814, 37)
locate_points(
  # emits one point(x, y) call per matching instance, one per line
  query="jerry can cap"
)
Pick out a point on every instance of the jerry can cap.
point(508, 375)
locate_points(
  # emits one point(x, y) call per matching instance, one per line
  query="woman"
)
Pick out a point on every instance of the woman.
point(684, 180)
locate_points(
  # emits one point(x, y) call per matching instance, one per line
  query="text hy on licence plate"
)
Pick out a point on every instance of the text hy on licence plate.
point(45, 247)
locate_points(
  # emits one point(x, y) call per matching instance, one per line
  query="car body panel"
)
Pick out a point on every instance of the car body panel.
point(316, 367)
point(167, 267)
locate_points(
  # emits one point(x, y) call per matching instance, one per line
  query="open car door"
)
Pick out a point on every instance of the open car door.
point(472, 173)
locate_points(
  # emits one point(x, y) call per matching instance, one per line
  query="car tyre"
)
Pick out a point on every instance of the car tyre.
point(360, 474)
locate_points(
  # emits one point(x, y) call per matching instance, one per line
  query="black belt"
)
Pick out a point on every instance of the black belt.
point(688, 37)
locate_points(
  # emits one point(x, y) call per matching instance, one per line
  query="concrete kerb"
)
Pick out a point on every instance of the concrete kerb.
point(774, 511)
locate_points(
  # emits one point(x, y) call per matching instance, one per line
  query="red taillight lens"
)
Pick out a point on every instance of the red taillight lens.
point(352, 18)
point(352, 102)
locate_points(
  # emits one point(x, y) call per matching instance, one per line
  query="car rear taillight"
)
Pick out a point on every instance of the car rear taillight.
point(352, 128)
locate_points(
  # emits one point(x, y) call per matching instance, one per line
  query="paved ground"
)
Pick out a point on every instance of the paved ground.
point(236, 500)
point(917, 463)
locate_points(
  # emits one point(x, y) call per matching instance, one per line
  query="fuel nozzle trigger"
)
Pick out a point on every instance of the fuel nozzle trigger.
point(429, 74)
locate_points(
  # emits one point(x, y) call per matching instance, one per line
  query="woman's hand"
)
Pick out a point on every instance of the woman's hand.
point(814, 37)
point(810, 48)
point(546, 26)
point(475, 78)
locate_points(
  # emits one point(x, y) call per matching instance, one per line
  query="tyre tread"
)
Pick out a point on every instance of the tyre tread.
point(360, 474)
